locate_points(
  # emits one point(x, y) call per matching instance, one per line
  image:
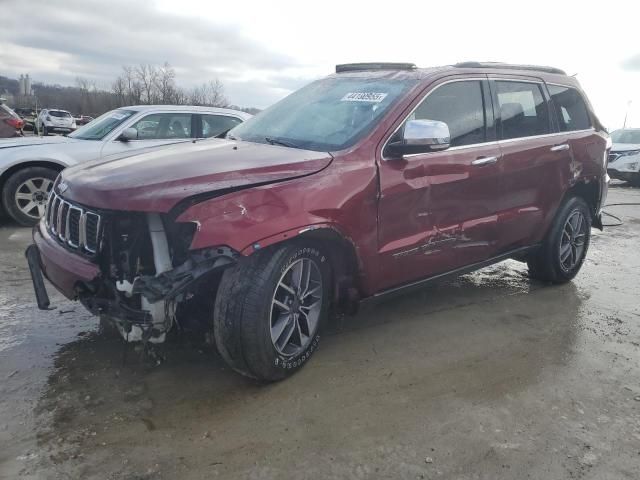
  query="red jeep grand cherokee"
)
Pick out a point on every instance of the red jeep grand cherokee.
point(376, 179)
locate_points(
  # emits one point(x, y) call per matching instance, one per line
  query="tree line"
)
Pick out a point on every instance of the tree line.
point(143, 84)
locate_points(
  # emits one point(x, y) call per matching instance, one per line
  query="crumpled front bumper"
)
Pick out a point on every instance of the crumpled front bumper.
point(65, 270)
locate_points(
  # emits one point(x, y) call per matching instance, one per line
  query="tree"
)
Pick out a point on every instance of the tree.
point(210, 94)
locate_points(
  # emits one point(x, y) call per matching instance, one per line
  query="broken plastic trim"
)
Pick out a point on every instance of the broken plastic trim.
point(170, 284)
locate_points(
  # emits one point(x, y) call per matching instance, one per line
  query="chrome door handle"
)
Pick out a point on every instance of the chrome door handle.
point(478, 162)
point(560, 148)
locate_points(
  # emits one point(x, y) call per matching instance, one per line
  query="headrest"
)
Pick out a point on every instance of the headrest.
point(511, 110)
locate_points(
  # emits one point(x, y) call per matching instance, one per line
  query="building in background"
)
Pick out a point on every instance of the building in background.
point(25, 86)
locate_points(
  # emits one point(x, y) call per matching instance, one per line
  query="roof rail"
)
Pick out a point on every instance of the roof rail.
point(510, 66)
point(358, 67)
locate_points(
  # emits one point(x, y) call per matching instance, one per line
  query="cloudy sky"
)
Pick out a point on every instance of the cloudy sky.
point(262, 50)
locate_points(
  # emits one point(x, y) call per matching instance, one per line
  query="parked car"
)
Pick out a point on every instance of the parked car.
point(29, 116)
point(52, 121)
point(624, 159)
point(375, 180)
point(11, 124)
point(29, 166)
point(82, 119)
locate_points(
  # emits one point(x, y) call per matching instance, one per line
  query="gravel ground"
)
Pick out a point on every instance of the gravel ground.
point(488, 376)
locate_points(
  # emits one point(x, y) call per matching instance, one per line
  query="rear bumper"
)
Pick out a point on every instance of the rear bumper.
point(65, 270)
point(626, 176)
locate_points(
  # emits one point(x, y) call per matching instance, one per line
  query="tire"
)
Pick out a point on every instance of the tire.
point(561, 256)
point(635, 180)
point(17, 186)
point(45, 131)
point(246, 316)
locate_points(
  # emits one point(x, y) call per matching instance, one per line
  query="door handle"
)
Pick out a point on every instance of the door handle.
point(560, 148)
point(479, 162)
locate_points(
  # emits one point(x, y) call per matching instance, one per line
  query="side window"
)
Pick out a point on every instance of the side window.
point(570, 108)
point(523, 110)
point(213, 125)
point(161, 126)
point(460, 106)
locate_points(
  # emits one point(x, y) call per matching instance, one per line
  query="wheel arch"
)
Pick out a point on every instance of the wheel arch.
point(589, 191)
point(6, 174)
point(346, 264)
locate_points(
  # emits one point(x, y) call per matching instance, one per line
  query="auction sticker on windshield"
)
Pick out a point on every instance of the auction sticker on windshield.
point(371, 97)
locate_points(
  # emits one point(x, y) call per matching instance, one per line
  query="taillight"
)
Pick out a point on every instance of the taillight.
point(15, 123)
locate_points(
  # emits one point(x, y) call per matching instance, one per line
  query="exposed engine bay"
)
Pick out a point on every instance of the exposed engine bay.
point(147, 273)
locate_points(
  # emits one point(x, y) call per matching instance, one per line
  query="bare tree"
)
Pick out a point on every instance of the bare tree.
point(166, 84)
point(209, 94)
point(147, 76)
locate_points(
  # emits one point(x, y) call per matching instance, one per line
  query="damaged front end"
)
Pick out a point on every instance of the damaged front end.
point(147, 272)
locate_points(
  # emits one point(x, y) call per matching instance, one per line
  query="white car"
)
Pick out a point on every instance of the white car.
point(29, 165)
point(624, 158)
point(54, 120)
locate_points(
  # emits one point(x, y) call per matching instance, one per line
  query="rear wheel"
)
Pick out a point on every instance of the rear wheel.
point(25, 194)
point(565, 247)
point(270, 309)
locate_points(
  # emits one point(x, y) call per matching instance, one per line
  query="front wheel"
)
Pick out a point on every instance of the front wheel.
point(270, 309)
point(25, 194)
point(565, 247)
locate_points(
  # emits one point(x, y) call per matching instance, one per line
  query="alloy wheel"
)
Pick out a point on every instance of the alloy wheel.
point(296, 307)
point(31, 196)
point(572, 242)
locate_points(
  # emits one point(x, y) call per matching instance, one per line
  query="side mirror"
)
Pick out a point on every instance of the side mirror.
point(421, 136)
point(128, 134)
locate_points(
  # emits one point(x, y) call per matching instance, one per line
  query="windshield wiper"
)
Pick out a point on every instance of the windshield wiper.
point(284, 143)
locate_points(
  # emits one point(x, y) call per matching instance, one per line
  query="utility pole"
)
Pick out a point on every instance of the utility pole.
point(626, 114)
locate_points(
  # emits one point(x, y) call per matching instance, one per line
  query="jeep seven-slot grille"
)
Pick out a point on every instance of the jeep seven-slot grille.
point(76, 227)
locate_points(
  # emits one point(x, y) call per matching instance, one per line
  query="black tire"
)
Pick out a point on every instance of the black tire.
point(546, 265)
point(45, 130)
point(10, 189)
point(243, 311)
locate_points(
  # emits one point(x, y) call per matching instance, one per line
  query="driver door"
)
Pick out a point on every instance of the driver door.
point(154, 130)
point(438, 210)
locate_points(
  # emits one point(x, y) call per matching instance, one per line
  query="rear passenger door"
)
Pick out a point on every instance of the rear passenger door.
point(209, 126)
point(534, 157)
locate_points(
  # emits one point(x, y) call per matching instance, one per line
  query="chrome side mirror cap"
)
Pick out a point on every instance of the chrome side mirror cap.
point(421, 136)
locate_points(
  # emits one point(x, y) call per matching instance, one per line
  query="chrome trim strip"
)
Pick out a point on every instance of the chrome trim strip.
point(69, 241)
point(83, 233)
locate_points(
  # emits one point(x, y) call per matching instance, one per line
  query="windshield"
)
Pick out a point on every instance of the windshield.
point(59, 113)
point(327, 115)
point(625, 136)
point(103, 125)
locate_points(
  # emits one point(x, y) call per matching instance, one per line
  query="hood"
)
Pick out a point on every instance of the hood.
point(155, 181)
point(34, 141)
point(625, 147)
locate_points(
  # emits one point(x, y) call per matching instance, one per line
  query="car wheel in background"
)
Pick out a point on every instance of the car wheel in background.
point(25, 194)
point(45, 130)
point(565, 246)
point(270, 308)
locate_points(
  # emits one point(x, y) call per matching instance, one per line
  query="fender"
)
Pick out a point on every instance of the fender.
point(295, 232)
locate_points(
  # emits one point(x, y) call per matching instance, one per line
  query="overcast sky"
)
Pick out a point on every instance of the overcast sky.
point(262, 50)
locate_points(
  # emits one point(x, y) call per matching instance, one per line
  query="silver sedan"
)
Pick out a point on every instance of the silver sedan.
point(28, 166)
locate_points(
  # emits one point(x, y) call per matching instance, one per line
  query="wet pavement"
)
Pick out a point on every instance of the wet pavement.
point(484, 377)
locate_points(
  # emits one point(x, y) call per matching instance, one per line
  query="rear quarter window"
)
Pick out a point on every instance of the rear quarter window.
point(570, 108)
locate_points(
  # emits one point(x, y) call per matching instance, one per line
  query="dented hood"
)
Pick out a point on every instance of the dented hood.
point(156, 180)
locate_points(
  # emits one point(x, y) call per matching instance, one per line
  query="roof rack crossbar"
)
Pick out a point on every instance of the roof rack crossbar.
point(510, 66)
point(358, 67)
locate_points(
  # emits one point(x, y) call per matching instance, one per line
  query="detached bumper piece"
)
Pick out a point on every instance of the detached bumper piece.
point(33, 259)
point(169, 285)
